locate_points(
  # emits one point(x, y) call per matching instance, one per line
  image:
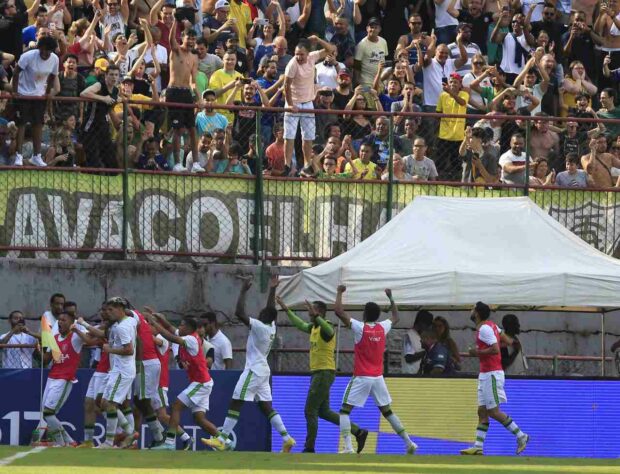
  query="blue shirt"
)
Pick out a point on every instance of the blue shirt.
point(29, 34)
point(159, 159)
point(209, 123)
point(437, 357)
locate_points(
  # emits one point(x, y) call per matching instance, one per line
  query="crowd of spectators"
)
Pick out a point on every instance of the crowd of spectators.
point(343, 57)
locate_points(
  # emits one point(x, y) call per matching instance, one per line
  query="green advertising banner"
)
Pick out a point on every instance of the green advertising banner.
point(70, 214)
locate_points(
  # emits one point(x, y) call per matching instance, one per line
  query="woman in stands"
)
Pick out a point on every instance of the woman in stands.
point(540, 173)
point(442, 329)
point(358, 126)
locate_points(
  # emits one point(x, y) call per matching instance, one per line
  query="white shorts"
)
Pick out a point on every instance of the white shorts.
point(96, 385)
point(491, 389)
point(306, 120)
point(360, 387)
point(56, 393)
point(146, 383)
point(252, 388)
point(117, 388)
point(161, 400)
point(196, 396)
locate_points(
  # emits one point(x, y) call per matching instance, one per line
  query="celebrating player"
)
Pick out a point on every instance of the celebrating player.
point(253, 385)
point(490, 381)
point(370, 337)
point(61, 377)
point(196, 395)
point(323, 370)
point(122, 352)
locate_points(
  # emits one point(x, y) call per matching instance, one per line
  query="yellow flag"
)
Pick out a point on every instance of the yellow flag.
point(47, 340)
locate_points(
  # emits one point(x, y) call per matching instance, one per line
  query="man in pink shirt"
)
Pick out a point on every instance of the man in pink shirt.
point(299, 94)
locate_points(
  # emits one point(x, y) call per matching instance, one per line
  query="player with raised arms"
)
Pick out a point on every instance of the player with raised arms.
point(370, 337)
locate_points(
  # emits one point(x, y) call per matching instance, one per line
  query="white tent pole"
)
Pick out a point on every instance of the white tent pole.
point(603, 344)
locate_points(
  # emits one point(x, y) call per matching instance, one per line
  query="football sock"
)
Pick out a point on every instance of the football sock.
point(512, 427)
point(481, 434)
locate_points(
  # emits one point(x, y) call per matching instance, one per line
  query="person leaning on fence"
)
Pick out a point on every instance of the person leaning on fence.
point(573, 177)
point(325, 164)
point(245, 119)
point(479, 156)
point(513, 162)
point(18, 334)
point(275, 153)
point(299, 94)
point(418, 165)
point(363, 167)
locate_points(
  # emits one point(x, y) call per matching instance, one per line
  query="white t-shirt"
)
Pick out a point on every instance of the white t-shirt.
point(510, 158)
point(423, 169)
point(508, 53)
point(326, 75)
point(538, 9)
point(117, 24)
point(162, 57)
point(370, 54)
point(455, 53)
point(358, 328)
point(223, 350)
point(412, 344)
point(537, 92)
point(35, 72)
point(433, 74)
point(164, 346)
point(473, 95)
point(18, 358)
point(442, 17)
point(123, 332)
point(259, 344)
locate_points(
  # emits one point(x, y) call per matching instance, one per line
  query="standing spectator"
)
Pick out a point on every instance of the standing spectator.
point(413, 352)
point(406, 104)
point(453, 100)
point(579, 43)
point(344, 91)
point(62, 151)
point(162, 17)
point(610, 110)
point(18, 357)
point(513, 162)
point(515, 45)
point(479, 156)
point(570, 142)
point(275, 153)
point(208, 120)
point(85, 41)
point(263, 43)
point(407, 138)
point(270, 83)
point(223, 348)
point(380, 138)
point(245, 119)
point(513, 358)
point(472, 49)
point(442, 329)
point(13, 18)
point(539, 175)
point(445, 24)
point(527, 80)
point(35, 76)
point(120, 55)
point(71, 85)
point(543, 141)
point(410, 41)
point(296, 30)
point(282, 57)
point(223, 80)
point(202, 163)
point(29, 33)
point(437, 359)
point(324, 101)
point(207, 63)
point(152, 159)
point(477, 18)
point(598, 163)
point(57, 304)
point(299, 94)
point(480, 95)
point(326, 72)
point(95, 134)
point(576, 82)
point(554, 28)
point(344, 42)
point(369, 53)
point(115, 17)
point(241, 15)
point(418, 165)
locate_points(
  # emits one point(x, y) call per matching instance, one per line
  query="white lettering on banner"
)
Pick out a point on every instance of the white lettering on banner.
point(331, 233)
point(110, 228)
point(66, 238)
point(150, 207)
point(289, 225)
point(29, 230)
point(15, 423)
point(193, 226)
point(246, 220)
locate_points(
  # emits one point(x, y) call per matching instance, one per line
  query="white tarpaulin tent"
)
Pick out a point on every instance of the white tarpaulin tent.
point(452, 252)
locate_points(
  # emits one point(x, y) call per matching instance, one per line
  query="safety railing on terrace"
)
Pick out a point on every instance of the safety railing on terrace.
point(230, 210)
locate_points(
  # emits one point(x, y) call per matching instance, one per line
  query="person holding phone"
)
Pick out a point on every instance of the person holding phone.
point(21, 357)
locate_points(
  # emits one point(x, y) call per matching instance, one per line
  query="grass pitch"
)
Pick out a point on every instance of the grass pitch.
point(92, 461)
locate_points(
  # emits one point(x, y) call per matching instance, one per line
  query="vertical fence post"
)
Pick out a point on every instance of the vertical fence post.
point(258, 191)
point(603, 348)
point(526, 186)
point(125, 232)
point(390, 189)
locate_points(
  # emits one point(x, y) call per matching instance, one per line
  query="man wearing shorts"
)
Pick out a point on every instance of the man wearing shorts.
point(183, 70)
point(196, 395)
point(62, 374)
point(490, 381)
point(370, 337)
point(299, 94)
point(253, 385)
point(122, 351)
point(36, 75)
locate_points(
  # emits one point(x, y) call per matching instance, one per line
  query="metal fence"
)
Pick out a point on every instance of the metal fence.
point(235, 210)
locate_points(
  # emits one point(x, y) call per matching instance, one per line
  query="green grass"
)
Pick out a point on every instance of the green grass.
point(69, 461)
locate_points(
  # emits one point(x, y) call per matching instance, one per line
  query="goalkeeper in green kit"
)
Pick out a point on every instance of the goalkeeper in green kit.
point(323, 369)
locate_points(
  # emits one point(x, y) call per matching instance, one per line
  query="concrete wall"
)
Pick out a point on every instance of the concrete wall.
point(177, 289)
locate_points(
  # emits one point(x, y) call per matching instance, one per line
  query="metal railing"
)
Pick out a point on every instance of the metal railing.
point(129, 213)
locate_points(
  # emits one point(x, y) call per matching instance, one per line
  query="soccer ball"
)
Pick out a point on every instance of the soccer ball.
point(232, 439)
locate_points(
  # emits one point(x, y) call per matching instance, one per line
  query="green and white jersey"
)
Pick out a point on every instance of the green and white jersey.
point(259, 344)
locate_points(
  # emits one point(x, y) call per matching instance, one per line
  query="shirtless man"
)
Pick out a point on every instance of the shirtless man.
point(183, 70)
point(598, 164)
point(543, 142)
point(139, 9)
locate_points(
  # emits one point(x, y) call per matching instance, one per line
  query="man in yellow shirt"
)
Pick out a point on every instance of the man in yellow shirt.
point(362, 167)
point(242, 16)
point(222, 82)
point(323, 369)
point(453, 100)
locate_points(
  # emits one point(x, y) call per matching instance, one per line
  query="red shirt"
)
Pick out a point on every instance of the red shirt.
point(489, 362)
point(149, 351)
point(104, 363)
point(69, 360)
point(165, 35)
point(369, 347)
point(275, 156)
point(197, 370)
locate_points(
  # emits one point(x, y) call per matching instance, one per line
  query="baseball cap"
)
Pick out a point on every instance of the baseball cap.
point(374, 21)
point(221, 4)
point(102, 63)
point(208, 92)
point(344, 72)
point(127, 78)
point(463, 25)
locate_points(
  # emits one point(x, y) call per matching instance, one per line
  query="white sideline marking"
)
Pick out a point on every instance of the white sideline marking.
point(15, 457)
